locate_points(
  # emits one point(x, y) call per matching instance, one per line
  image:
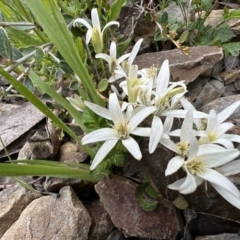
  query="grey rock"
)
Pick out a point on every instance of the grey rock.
point(225, 236)
point(102, 225)
point(211, 91)
point(52, 218)
point(70, 152)
point(221, 103)
point(118, 197)
point(199, 62)
point(116, 235)
point(13, 201)
point(38, 149)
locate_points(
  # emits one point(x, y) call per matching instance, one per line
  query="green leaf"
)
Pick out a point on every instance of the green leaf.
point(65, 67)
point(232, 48)
point(29, 84)
point(114, 10)
point(229, 15)
point(14, 170)
point(183, 37)
point(103, 85)
point(5, 46)
point(16, 54)
point(74, 85)
point(25, 26)
point(39, 56)
point(23, 38)
point(48, 15)
point(27, 50)
point(180, 202)
point(122, 46)
point(164, 18)
point(147, 203)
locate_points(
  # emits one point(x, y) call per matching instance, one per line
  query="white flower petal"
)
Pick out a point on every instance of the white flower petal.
point(212, 122)
point(175, 133)
point(218, 179)
point(95, 19)
point(185, 185)
point(173, 165)
point(227, 195)
point(141, 131)
point(133, 72)
point(193, 146)
point(82, 21)
point(232, 137)
point(186, 126)
point(122, 58)
point(110, 24)
point(156, 133)
point(139, 116)
point(231, 168)
point(103, 152)
point(133, 147)
point(103, 112)
point(163, 78)
point(88, 36)
point(113, 50)
point(215, 156)
point(223, 127)
point(223, 115)
point(167, 125)
point(174, 113)
point(99, 135)
point(115, 109)
point(224, 142)
point(104, 56)
point(169, 144)
point(134, 51)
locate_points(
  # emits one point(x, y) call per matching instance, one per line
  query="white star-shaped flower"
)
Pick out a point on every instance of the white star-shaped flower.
point(111, 59)
point(200, 165)
point(167, 103)
point(123, 126)
point(94, 32)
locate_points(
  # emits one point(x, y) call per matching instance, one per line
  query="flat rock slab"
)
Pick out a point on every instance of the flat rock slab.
point(200, 60)
point(14, 124)
point(118, 197)
point(52, 218)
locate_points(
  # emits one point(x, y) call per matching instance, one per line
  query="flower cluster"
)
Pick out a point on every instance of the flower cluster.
point(146, 106)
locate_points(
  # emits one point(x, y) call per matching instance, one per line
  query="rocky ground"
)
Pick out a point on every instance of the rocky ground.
point(77, 209)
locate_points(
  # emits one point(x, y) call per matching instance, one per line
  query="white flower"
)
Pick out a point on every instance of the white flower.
point(76, 102)
point(166, 101)
point(186, 136)
point(111, 59)
point(216, 130)
point(133, 84)
point(123, 69)
point(199, 167)
point(124, 125)
point(94, 32)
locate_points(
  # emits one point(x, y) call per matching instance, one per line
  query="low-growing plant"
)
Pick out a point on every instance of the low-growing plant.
point(113, 116)
point(193, 31)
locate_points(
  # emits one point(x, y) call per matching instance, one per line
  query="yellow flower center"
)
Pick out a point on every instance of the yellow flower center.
point(113, 66)
point(151, 72)
point(195, 166)
point(162, 103)
point(183, 148)
point(122, 129)
point(212, 136)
